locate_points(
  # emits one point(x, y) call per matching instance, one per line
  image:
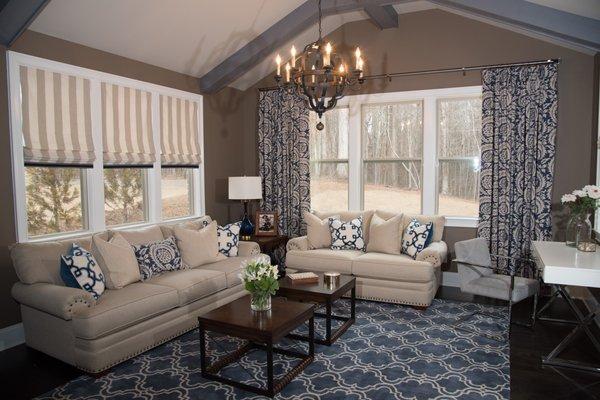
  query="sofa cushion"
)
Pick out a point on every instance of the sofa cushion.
point(117, 260)
point(317, 231)
point(231, 266)
point(350, 215)
point(141, 236)
point(79, 269)
point(40, 262)
point(198, 247)
point(119, 309)
point(438, 223)
point(322, 260)
point(195, 224)
point(158, 257)
point(391, 266)
point(385, 235)
point(192, 284)
point(347, 235)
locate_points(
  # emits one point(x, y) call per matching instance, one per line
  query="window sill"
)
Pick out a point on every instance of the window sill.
point(462, 222)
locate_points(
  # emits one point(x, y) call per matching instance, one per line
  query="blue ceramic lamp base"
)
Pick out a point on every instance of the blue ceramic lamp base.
point(247, 228)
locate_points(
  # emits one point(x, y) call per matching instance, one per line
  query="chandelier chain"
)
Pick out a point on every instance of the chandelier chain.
point(320, 18)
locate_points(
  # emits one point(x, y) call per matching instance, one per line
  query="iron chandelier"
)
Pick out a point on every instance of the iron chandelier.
point(319, 74)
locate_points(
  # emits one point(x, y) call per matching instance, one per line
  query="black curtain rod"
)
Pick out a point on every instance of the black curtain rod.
point(448, 70)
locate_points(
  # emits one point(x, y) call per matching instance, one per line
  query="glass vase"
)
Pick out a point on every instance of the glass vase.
point(585, 235)
point(260, 302)
point(575, 221)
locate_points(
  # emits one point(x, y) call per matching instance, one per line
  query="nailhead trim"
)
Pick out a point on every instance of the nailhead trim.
point(395, 301)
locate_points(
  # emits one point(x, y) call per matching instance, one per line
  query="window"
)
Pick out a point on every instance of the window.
point(329, 161)
point(392, 149)
point(177, 192)
point(459, 148)
point(54, 200)
point(92, 150)
point(124, 196)
point(413, 152)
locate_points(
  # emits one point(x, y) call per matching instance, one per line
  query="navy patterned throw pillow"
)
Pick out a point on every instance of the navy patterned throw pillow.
point(229, 237)
point(347, 235)
point(158, 257)
point(416, 237)
point(79, 269)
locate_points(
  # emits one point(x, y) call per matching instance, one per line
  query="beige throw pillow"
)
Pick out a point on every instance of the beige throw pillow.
point(117, 261)
point(317, 231)
point(141, 236)
point(385, 236)
point(198, 247)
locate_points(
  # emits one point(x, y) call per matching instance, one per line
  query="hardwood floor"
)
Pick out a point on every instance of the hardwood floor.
point(26, 373)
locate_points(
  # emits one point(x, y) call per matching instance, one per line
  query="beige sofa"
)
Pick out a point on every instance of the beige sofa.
point(92, 335)
point(394, 278)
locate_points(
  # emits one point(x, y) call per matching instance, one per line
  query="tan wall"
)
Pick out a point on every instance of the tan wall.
point(222, 137)
point(436, 39)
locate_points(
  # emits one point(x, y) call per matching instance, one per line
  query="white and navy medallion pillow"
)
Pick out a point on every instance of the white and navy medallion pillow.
point(347, 235)
point(229, 237)
point(158, 257)
point(416, 237)
point(79, 269)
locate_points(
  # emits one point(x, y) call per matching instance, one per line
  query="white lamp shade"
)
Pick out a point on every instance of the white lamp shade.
point(245, 188)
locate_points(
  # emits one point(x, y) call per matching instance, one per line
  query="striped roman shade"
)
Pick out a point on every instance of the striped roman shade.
point(56, 115)
point(127, 126)
point(179, 132)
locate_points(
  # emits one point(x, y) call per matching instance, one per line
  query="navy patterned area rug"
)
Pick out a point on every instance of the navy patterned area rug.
point(392, 352)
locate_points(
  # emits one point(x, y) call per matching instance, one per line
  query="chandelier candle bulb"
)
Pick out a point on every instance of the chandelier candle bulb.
point(327, 56)
point(278, 61)
point(287, 72)
point(293, 51)
point(313, 75)
point(358, 60)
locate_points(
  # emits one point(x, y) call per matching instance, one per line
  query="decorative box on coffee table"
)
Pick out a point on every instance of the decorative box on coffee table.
point(320, 293)
point(262, 330)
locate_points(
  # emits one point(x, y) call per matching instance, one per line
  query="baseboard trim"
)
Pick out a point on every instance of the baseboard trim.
point(450, 279)
point(11, 336)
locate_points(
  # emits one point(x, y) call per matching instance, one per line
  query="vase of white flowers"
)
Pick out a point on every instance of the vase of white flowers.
point(582, 204)
point(260, 279)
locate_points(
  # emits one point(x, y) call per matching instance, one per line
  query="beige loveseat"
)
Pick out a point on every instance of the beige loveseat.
point(394, 278)
point(70, 325)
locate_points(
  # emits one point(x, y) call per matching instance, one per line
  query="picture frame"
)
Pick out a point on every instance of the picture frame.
point(266, 223)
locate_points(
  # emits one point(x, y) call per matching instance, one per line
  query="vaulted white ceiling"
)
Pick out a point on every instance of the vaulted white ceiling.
point(194, 36)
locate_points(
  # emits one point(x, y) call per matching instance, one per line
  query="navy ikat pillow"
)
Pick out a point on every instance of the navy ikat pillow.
point(158, 257)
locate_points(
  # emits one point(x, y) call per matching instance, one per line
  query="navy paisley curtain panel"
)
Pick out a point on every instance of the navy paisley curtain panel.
point(284, 163)
point(519, 122)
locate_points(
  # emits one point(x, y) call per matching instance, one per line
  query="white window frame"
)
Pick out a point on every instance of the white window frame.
point(93, 207)
point(429, 158)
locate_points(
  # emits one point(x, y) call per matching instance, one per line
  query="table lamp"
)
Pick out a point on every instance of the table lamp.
point(245, 188)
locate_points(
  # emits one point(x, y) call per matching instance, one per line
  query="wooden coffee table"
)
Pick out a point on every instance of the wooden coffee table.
point(261, 330)
point(322, 294)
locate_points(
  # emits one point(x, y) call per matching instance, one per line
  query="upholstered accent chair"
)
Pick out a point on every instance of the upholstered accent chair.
point(476, 276)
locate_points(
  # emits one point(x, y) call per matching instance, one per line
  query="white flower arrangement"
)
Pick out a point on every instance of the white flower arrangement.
point(582, 200)
point(260, 279)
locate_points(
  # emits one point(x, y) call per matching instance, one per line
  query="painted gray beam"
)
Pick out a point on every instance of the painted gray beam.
point(533, 17)
point(277, 35)
point(384, 17)
point(16, 16)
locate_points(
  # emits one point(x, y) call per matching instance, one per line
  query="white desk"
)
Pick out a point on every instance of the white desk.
point(561, 266)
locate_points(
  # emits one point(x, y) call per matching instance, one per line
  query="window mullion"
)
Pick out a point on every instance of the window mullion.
point(95, 175)
point(154, 174)
point(429, 163)
point(355, 187)
point(198, 174)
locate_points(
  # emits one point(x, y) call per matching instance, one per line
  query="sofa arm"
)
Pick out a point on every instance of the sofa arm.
point(298, 243)
point(60, 301)
point(435, 253)
point(246, 249)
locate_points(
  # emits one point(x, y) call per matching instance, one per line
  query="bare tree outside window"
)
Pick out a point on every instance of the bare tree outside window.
point(124, 195)
point(392, 151)
point(329, 161)
point(54, 200)
point(459, 150)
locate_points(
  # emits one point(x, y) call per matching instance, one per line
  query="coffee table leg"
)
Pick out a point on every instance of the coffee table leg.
point(270, 387)
point(328, 322)
point(311, 337)
point(202, 349)
point(353, 303)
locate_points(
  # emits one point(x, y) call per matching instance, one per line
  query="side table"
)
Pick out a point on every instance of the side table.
point(274, 247)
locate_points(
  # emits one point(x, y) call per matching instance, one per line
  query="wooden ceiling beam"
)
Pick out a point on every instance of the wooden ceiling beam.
point(385, 17)
point(16, 16)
